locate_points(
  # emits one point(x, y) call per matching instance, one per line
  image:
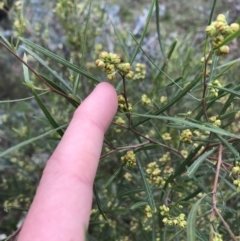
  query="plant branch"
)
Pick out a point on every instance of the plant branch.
point(35, 73)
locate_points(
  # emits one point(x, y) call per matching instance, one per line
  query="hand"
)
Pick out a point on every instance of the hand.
point(62, 205)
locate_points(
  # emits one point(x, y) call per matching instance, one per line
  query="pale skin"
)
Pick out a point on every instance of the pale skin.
point(61, 207)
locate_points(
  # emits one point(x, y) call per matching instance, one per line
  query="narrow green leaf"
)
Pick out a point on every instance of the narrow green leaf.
point(228, 64)
point(146, 187)
point(138, 205)
point(130, 192)
point(120, 40)
point(188, 124)
point(231, 91)
point(23, 99)
point(144, 31)
point(229, 146)
point(98, 202)
point(74, 102)
point(29, 141)
point(53, 72)
point(115, 174)
point(60, 60)
point(175, 81)
point(194, 167)
point(171, 49)
point(47, 114)
point(85, 35)
point(76, 84)
point(25, 71)
point(191, 221)
point(5, 40)
point(212, 12)
point(158, 27)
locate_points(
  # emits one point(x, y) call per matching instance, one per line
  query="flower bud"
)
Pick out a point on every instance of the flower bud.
point(211, 30)
point(130, 75)
point(111, 76)
point(234, 27)
point(103, 55)
point(221, 18)
point(224, 49)
point(100, 63)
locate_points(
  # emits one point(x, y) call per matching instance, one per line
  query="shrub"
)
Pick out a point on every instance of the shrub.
point(171, 154)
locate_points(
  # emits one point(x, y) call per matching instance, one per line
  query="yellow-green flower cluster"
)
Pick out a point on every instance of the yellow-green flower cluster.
point(166, 136)
point(122, 105)
point(184, 153)
point(165, 158)
point(119, 121)
point(153, 174)
point(214, 91)
point(16, 203)
point(215, 121)
point(111, 64)
point(128, 176)
point(219, 30)
point(146, 100)
point(236, 171)
point(163, 99)
point(186, 136)
point(149, 212)
point(140, 71)
point(172, 221)
point(217, 237)
point(129, 159)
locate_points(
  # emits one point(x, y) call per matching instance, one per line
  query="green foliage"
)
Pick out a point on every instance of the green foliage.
point(169, 169)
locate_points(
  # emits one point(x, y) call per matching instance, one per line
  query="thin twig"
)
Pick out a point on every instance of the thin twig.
point(133, 147)
point(35, 73)
point(214, 197)
point(147, 138)
point(226, 225)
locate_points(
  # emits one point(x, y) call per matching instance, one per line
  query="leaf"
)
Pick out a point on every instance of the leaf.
point(5, 40)
point(53, 72)
point(144, 31)
point(146, 187)
point(23, 99)
point(229, 146)
point(24, 143)
point(196, 164)
point(110, 180)
point(120, 40)
point(212, 12)
point(188, 124)
point(191, 221)
point(231, 91)
point(74, 101)
point(158, 27)
point(98, 202)
point(58, 59)
point(138, 205)
point(47, 113)
point(25, 71)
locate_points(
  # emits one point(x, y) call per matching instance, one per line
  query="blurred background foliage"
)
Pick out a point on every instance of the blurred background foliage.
point(79, 31)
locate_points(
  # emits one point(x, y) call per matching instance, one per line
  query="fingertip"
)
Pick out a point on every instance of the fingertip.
point(100, 106)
